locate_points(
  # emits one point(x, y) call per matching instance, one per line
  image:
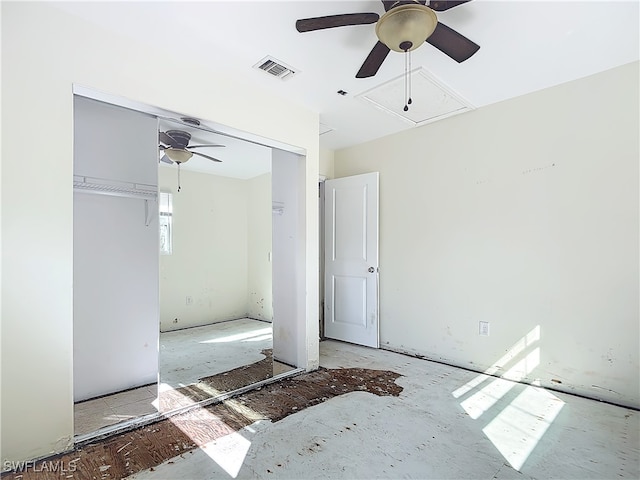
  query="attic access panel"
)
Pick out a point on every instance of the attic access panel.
point(431, 101)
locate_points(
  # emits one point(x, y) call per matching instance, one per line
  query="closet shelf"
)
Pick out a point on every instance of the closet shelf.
point(117, 188)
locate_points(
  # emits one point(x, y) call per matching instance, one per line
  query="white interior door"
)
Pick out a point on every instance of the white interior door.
point(351, 259)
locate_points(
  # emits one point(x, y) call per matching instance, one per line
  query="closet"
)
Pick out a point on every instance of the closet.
point(115, 234)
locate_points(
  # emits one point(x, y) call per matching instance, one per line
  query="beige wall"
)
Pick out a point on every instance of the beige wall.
point(44, 53)
point(523, 214)
point(326, 162)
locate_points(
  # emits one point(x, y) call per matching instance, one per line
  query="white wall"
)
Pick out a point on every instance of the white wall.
point(221, 247)
point(114, 143)
point(115, 254)
point(259, 230)
point(287, 228)
point(115, 302)
point(209, 259)
point(44, 52)
point(523, 214)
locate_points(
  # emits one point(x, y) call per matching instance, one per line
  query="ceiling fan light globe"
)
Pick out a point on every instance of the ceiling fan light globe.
point(178, 155)
point(406, 25)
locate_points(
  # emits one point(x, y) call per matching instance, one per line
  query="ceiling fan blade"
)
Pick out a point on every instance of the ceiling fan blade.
point(166, 139)
point(388, 4)
point(442, 5)
point(166, 159)
point(452, 43)
point(332, 21)
point(206, 145)
point(206, 156)
point(372, 63)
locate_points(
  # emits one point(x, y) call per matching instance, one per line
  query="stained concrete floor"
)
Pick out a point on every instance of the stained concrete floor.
point(446, 423)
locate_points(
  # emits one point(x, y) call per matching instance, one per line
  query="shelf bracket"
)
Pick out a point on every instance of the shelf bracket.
point(147, 216)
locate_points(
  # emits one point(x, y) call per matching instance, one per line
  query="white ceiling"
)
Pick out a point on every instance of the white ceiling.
point(525, 46)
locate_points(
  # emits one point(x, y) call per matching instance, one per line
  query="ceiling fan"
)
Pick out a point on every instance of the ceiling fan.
point(176, 148)
point(405, 26)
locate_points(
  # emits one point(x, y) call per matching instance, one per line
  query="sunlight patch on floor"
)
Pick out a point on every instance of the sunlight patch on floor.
point(259, 338)
point(518, 428)
point(228, 451)
point(266, 332)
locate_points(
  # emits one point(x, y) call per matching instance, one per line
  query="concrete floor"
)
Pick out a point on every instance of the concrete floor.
point(185, 356)
point(446, 423)
point(190, 354)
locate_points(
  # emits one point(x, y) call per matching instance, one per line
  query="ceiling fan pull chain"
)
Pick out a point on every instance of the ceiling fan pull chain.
point(178, 176)
point(409, 78)
point(406, 102)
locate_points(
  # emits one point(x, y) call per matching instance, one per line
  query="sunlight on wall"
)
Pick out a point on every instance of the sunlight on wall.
point(484, 399)
point(517, 348)
point(517, 428)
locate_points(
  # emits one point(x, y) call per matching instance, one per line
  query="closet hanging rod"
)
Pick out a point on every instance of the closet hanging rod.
point(117, 188)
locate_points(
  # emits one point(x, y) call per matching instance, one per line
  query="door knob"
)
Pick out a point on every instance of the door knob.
point(371, 269)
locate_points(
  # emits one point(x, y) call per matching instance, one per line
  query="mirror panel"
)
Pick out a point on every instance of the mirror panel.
point(216, 284)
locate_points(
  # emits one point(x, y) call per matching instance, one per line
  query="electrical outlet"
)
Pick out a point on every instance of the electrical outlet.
point(189, 300)
point(484, 329)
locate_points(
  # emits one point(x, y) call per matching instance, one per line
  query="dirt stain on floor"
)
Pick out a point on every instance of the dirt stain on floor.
point(146, 447)
point(213, 385)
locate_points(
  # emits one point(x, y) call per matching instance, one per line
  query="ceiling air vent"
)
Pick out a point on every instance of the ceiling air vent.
point(275, 67)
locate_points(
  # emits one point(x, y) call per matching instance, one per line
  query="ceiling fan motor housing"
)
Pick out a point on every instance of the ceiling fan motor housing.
point(180, 138)
point(405, 27)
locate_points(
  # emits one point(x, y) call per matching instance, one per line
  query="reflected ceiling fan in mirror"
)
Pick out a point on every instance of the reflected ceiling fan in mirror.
point(175, 144)
point(175, 148)
point(405, 26)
